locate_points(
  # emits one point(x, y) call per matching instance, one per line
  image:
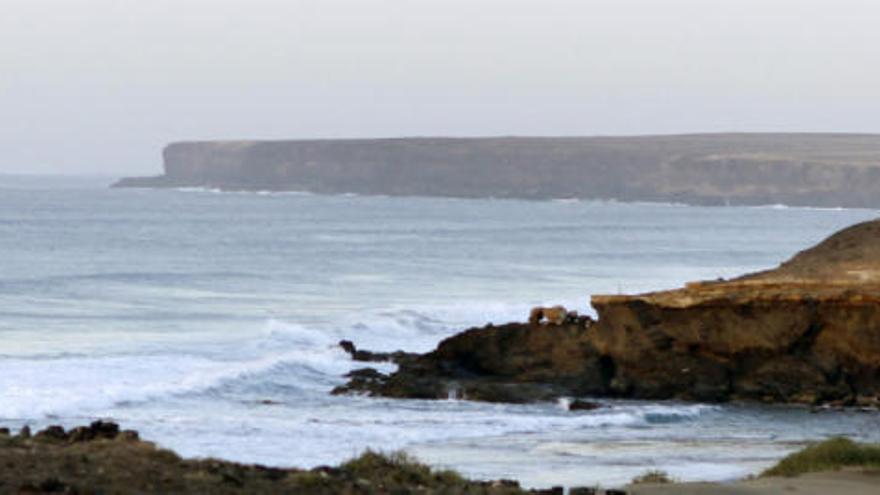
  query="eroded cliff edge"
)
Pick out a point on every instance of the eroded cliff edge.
point(716, 169)
point(806, 332)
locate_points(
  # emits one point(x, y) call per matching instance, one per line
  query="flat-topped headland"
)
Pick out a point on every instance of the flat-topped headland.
point(805, 332)
point(825, 170)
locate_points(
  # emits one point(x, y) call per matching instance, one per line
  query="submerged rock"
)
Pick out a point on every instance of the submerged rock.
point(807, 332)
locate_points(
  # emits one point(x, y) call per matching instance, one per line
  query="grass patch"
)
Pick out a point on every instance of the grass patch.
point(832, 454)
point(653, 476)
point(399, 468)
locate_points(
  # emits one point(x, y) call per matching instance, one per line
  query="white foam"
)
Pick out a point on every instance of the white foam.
point(91, 385)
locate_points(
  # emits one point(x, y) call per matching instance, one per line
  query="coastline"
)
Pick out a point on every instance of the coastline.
point(800, 333)
point(818, 170)
point(208, 190)
point(203, 418)
point(103, 458)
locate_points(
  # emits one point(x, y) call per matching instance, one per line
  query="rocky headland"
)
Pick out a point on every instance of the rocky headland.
point(711, 169)
point(806, 332)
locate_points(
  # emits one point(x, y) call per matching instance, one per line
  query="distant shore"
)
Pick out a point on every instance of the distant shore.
point(820, 170)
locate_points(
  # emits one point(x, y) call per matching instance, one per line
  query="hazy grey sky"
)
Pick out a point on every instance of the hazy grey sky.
point(102, 85)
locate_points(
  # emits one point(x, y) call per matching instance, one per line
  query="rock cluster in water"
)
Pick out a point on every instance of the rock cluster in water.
point(806, 332)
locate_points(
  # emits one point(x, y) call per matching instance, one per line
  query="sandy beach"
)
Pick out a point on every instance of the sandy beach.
point(844, 482)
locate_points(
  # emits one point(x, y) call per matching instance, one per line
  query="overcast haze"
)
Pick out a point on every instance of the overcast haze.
point(100, 86)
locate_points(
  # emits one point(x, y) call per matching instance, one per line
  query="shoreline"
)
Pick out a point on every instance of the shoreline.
point(846, 481)
point(103, 458)
point(201, 189)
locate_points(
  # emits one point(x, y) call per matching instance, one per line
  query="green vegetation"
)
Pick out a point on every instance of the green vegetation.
point(832, 454)
point(399, 468)
point(653, 476)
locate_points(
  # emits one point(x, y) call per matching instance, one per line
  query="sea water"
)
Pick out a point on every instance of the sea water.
point(209, 322)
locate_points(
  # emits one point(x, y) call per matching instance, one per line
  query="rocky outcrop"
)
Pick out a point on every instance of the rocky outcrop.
point(807, 332)
point(508, 363)
point(714, 169)
point(356, 354)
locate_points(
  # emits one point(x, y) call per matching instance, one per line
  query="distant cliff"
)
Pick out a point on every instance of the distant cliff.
point(795, 169)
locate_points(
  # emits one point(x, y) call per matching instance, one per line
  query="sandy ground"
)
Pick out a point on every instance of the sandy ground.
point(829, 483)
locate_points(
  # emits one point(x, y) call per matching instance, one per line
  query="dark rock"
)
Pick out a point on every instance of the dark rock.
point(99, 430)
point(582, 490)
point(583, 405)
point(556, 490)
point(25, 432)
point(104, 429)
point(362, 380)
point(4, 432)
point(615, 492)
point(513, 393)
point(348, 346)
point(54, 432)
point(396, 357)
point(367, 374)
point(514, 363)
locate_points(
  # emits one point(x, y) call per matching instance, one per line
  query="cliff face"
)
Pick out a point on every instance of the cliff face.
point(807, 332)
point(797, 169)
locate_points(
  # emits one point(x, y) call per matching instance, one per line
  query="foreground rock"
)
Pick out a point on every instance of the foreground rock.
point(102, 459)
point(807, 332)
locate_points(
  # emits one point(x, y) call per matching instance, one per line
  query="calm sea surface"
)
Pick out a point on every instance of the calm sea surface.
point(179, 312)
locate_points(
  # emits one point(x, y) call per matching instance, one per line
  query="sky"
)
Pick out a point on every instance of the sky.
point(100, 86)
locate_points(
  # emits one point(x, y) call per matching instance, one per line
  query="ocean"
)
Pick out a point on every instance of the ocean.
point(209, 322)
